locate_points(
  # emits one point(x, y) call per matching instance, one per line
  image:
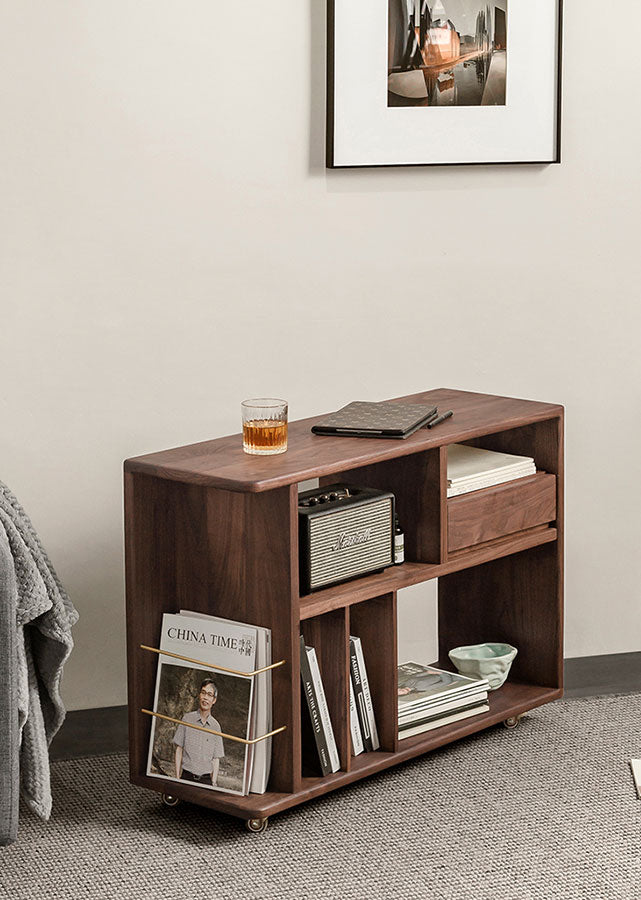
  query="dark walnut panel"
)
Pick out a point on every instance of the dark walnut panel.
point(222, 462)
point(501, 510)
point(211, 528)
point(416, 484)
point(517, 600)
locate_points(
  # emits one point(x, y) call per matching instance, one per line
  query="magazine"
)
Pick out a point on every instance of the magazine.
point(262, 705)
point(421, 687)
point(206, 701)
point(446, 719)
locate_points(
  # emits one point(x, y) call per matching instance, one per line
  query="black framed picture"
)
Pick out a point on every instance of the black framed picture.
point(438, 82)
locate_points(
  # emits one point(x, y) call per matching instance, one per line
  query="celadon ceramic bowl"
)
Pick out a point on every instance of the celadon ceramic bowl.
point(490, 661)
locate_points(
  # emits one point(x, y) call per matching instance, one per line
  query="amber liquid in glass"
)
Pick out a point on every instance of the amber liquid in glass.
point(264, 436)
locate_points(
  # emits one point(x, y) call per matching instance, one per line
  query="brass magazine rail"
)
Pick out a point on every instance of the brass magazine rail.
point(231, 737)
point(207, 665)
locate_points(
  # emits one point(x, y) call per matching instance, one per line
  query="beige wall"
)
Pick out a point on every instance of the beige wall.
point(172, 243)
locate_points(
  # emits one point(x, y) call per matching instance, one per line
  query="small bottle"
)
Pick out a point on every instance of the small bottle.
point(399, 543)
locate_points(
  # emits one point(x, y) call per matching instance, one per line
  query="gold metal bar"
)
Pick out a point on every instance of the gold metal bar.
point(230, 737)
point(207, 665)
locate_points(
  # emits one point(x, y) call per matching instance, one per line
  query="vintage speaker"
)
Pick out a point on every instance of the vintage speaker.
point(343, 531)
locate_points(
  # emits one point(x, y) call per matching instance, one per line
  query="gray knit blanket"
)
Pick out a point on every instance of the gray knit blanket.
point(44, 616)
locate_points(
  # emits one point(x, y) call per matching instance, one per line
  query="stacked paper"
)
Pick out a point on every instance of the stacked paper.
point(471, 468)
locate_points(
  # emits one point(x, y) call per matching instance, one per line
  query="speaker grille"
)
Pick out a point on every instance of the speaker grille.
point(350, 542)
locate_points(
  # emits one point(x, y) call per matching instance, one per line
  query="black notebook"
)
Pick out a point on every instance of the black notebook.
point(375, 420)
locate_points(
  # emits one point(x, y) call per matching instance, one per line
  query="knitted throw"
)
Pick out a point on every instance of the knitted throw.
point(44, 616)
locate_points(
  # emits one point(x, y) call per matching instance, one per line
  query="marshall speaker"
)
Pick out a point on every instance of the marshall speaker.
point(344, 531)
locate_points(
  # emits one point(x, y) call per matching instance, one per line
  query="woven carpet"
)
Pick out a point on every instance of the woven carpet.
point(543, 812)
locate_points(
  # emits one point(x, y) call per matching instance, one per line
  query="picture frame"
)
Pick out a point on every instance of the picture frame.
point(443, 82)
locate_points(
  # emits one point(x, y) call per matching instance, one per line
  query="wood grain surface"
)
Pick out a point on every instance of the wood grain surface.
point(223, 463)
point(503, 509)
point(209, 528)
point(510, 700)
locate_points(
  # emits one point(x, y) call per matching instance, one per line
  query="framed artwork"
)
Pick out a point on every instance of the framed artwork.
point(443, 82)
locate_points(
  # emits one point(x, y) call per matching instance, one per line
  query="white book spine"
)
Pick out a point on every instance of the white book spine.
point(635, 765)
point(366, 693)
point(323, 710)
point(445, 720)
point(412, 715)
point(355, 728)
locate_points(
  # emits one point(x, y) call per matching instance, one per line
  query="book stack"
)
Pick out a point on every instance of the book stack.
point(203, 706)
point(318, 732)
point(429, 698)
point(471, 468)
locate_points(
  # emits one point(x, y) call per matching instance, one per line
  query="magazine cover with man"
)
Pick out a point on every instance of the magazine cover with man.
point(203, 700)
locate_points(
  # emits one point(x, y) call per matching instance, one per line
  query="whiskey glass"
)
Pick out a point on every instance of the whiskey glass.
point(264, 426)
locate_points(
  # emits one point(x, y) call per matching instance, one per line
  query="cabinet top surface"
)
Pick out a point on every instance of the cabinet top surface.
point(222, 462)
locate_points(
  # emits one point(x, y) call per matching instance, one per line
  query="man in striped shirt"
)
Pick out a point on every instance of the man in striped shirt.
point(198, 753)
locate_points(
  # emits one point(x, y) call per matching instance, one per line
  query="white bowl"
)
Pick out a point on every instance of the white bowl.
point(490, 661)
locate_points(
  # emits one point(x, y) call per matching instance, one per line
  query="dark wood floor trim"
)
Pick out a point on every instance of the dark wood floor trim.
point(615, 673)
point(98, 732)
point(91, 732)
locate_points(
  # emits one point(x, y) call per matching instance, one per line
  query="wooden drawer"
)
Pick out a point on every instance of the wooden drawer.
point(501, 510)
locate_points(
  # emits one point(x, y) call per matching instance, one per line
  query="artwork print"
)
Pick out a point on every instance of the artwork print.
point(447, 53)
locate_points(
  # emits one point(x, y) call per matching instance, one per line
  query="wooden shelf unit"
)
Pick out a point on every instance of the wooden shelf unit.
point(213, 529)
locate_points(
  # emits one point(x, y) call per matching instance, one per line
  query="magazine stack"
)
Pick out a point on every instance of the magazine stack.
point(201, 708)
point(472, 468)
point(429, 698)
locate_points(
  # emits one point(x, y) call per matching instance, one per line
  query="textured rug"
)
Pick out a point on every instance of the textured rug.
point(542, 812)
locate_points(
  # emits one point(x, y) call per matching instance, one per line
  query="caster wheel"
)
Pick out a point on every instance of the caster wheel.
point(170, 800)
point(256, 826)
point(512, 721)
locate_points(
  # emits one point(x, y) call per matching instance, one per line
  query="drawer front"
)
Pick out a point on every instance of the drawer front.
point(501, 510)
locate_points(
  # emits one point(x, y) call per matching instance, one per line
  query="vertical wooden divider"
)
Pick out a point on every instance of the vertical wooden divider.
point(252, 559)
point(328, 635)
point(374, 621)
point(438, 495)
point(416, 485)
point(150, 591)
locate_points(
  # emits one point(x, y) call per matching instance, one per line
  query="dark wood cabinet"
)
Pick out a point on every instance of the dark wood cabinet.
point(213, 529)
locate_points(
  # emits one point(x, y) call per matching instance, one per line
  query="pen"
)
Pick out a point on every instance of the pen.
point(440, 419)
point(431, 418)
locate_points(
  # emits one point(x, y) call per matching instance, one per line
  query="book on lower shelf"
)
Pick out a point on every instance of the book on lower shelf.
point(354, 724)
point(204, 708)
point(429, 697)
point(318, 719)
point(473, 468)
point(362, 695)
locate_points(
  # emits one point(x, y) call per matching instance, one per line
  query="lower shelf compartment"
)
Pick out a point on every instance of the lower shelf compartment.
point(510, 700)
